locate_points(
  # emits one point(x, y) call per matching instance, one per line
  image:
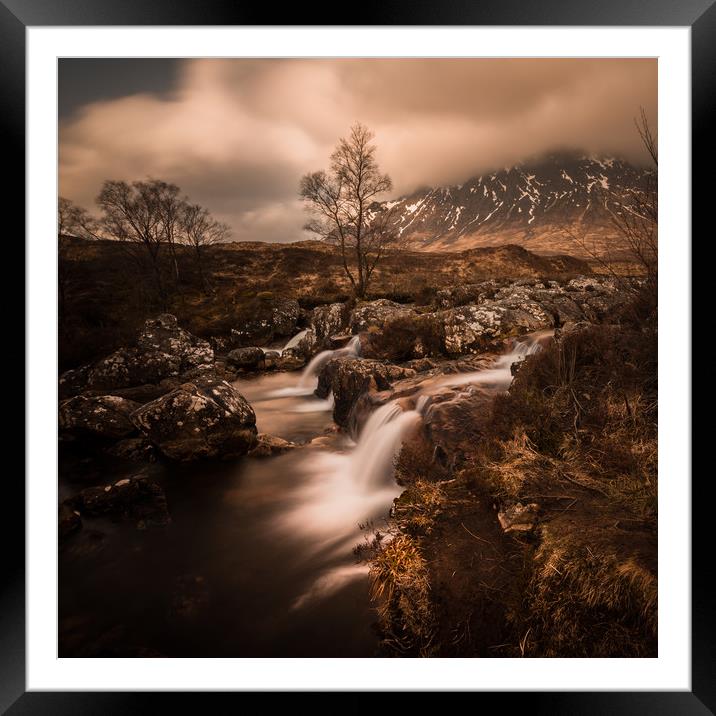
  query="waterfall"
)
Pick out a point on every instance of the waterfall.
point(309, 378)
point(371, 463)
point(311, 371)
point(338, 490)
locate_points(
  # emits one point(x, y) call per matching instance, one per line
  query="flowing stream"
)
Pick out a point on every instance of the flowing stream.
point(258, 559)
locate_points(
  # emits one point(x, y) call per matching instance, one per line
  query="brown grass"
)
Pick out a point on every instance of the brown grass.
point(576, 434)
point(401, 588)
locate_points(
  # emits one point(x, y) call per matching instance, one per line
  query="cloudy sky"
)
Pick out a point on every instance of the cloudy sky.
point(237, 135)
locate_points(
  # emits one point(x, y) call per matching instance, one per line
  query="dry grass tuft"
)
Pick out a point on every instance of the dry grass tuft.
point(401, 587)
point(416, 510)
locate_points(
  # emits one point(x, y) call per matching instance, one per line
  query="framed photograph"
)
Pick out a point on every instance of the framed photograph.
point(348, 365)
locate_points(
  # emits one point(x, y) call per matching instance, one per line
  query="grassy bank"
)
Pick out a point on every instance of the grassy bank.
point(575, 439)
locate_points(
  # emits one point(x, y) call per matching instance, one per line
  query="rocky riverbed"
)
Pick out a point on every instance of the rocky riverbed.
point(220, 472)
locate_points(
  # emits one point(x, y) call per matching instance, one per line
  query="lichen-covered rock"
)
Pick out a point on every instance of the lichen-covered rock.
point(220, 344)
point(285, 313)
point(106, 416)
point(251, 358)
point(347, 378)
point(376, 314)
point(202, 419)
point(137, 498)
point(523, 306)
point(271, 319)
point(162, 349)
point(474, 328)
point(329, 320)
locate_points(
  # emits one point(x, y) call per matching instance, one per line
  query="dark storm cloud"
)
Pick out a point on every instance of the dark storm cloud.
point(238, 134)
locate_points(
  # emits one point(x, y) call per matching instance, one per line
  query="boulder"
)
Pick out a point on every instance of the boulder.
point(347, 378)
point(474, 328)
point(105, 416)
point(308, 344)
point(251, 358)
point(285, 313)
point(272, 359)
point(329, 320)
point(376, 314)
point(137, 498)
point(205, 418)
point(269, 320)
point(162, 349)
point(220, 344)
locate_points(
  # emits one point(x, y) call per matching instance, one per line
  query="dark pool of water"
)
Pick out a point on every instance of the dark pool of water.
point(257, 560)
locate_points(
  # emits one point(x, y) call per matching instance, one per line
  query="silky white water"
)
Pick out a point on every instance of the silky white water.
point(500, 375)
point(308, 380)
point(333, 484)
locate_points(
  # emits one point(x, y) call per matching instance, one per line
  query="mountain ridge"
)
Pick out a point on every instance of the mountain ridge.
point(541, 203)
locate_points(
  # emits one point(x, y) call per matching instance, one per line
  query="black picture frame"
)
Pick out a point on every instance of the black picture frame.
point(699, 15)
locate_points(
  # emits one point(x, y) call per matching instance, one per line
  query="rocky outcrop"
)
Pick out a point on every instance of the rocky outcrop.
point(348, 378)
point(528, 305)
point(106, 416)
point(376, 314)
point(205, 418)
point(476, 328)
point(162, 349)
point(74, 381)
point(455, 296)
point(454, 422)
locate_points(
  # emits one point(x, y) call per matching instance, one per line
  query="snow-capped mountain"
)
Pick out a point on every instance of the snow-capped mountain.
point(530, 203)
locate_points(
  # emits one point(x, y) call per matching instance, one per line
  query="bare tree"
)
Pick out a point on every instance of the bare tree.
point(73, 220)
point(171, 207)
point(343, 202)
point(135, 213)
point(199, 230)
